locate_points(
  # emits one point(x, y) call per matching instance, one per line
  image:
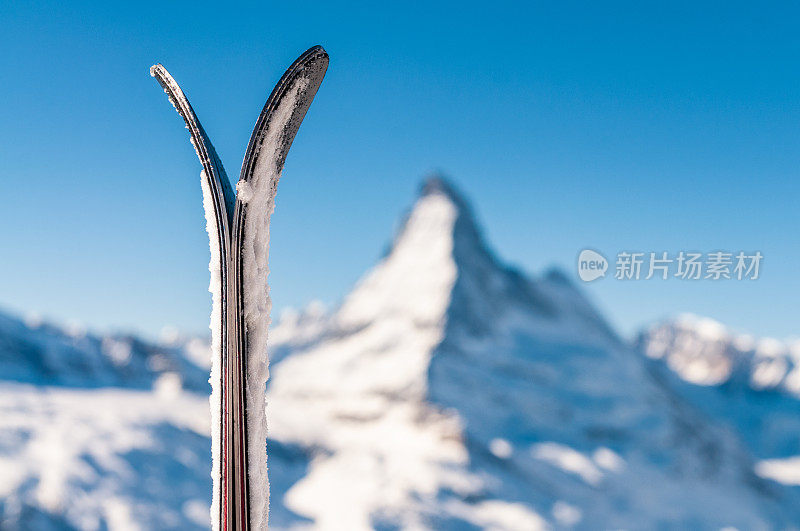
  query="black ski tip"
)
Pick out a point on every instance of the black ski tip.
point(159, 72)
point(313, 61)
point(316, 50)
point(164, 79)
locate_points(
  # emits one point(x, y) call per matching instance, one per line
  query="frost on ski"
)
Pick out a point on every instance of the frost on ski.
point(215, 288)
point(258, 194)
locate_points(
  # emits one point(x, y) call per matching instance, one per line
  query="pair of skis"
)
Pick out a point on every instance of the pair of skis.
point(241, 224)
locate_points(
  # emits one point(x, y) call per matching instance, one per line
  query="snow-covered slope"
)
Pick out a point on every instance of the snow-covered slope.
point(110, 432)
point(447, 391)
point(101, 432)
point(751, 385)
point(106, 458)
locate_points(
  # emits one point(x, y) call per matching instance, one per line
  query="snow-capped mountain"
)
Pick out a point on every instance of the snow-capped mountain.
point(704, 352)
point(450, 391)
point(751, 385)
point(447, 391)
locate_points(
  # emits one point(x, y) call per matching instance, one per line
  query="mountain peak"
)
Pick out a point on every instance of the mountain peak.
point(440, 272)
point(415, 278)
point(440, 203)
point(438, 183)
point(438, 244)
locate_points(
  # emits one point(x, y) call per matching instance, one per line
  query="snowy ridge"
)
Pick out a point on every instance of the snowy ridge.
point(40, 353)
point(704, 352)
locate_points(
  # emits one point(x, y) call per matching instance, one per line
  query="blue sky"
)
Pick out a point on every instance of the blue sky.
point(568, 125)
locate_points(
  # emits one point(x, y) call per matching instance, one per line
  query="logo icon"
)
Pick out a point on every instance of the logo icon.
point(591, 265)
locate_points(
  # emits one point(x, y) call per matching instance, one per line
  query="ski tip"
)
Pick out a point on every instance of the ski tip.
point(313, 54)
point(167, 82)
point(316, 49)
point(312, 64)
point(160, 73)
point(173, 92)
point(315, 58)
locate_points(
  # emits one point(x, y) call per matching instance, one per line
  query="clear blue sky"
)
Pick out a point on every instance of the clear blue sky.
point(568, 125)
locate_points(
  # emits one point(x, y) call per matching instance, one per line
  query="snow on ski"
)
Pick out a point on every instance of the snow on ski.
point(238, 230)
point(266, 153)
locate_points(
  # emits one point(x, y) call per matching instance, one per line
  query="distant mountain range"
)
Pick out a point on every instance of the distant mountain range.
point(751, 386)
point(447, 391)
point(42, 354)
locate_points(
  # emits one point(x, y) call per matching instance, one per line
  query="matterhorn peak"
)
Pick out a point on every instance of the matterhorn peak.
point(437, 243)
point(438, 183)
point(440, 272)
point(441, 203)
point(450, 384)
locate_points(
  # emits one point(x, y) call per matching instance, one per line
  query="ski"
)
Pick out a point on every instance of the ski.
point(269, 144)
point(223, 199)
point(238, 226)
